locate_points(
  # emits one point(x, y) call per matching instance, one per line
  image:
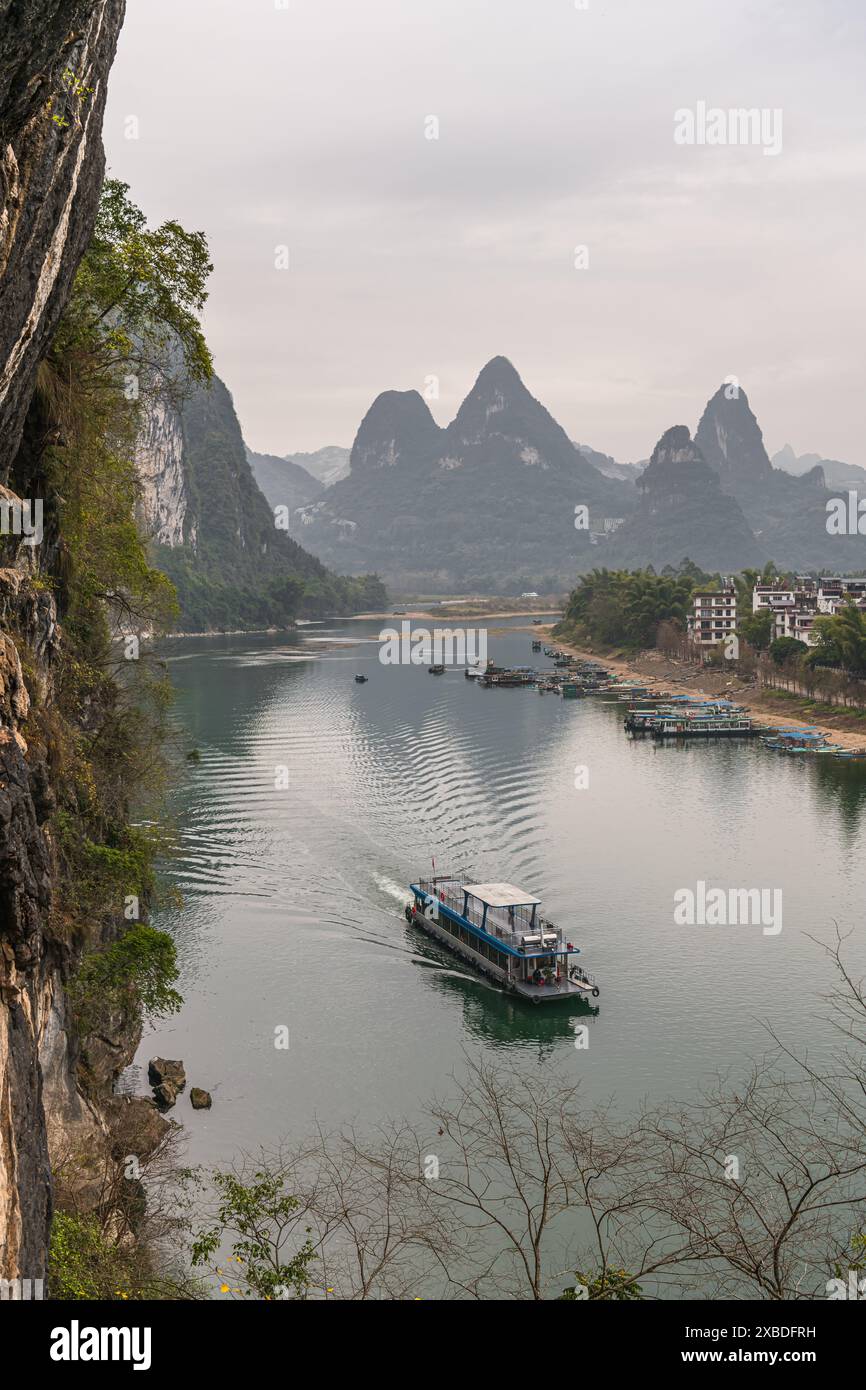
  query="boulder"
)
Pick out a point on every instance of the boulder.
point(166, 1094)
point(161, 1069)
point(201, 1100)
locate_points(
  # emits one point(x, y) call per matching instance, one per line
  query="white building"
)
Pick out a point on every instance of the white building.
point(763, 596)
point(713, 617)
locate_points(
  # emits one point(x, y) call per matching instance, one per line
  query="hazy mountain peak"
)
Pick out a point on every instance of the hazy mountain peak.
point(676, 462)
point(499, 372)
point(397, 425)
point(500, 407)
point(787, 459)
point(730, 438)
point(683, 504)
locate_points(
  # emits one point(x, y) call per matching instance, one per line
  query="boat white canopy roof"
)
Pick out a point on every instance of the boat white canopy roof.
point(500, 894)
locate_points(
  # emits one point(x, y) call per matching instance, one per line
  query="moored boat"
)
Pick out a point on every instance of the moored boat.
point(702, 726)
point(512, 675)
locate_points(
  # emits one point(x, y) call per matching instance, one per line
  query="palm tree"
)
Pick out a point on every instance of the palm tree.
point(842, 640)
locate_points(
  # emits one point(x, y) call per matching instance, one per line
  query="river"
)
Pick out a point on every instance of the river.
point(291, 896)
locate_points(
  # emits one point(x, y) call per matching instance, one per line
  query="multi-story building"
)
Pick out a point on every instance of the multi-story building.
point(830, 595)
point(714, 616)
point(764, 594)
point(795, 610)
point(795, 617)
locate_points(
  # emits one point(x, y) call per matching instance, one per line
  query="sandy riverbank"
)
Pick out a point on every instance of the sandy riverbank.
point(444, 616)
point(767, 706)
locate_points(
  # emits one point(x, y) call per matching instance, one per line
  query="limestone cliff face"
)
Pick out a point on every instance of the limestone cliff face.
point(55, 57)
point(159, 461)
point(214, 533)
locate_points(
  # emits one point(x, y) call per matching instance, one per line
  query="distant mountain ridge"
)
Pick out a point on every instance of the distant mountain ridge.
point(484, 502)
point(628, 472)
point(488, 502)
point(327, 465)
point(284, 483)
point(836, 473)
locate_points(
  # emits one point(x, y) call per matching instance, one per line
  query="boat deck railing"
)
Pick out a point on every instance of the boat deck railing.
point(497, 923)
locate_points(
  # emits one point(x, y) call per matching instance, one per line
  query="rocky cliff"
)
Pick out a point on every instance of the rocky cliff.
point(159, 462)
point(55, 57)
point(233, 560)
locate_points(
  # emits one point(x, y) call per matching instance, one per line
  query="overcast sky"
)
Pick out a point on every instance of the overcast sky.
point(409, 257)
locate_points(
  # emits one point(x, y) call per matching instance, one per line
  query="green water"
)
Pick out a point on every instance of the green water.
point(293, 896)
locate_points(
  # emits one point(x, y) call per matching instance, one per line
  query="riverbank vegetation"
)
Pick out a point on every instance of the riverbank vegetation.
point(630, 611)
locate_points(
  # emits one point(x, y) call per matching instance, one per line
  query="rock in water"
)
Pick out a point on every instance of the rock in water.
point(166, 1095)
point(201, 1100)
point(161, 1070)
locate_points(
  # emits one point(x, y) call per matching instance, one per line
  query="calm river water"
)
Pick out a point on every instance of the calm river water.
point(292, 898)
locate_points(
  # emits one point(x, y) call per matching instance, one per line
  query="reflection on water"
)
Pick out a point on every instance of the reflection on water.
point(293, 895)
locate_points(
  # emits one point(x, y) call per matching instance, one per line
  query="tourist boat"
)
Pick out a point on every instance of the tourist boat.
point(436, 670)
point(499, 929)
point(702, 726)
point(514, 675)
point(643, 720)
